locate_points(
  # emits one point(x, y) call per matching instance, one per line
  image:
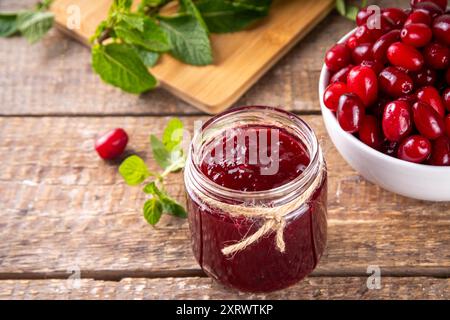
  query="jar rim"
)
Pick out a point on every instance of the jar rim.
point(281, 193)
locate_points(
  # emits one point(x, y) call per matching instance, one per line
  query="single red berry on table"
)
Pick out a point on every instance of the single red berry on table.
point(370, 132)
point(431, 96)
point(111, 144)
point(350, 112)
point(416, 34)
point(405, 56)
point(437, 56)
point(332, 94)
point(396, 122)
point(414, 149)
point(338, 57)
point(440, 154)
point(363, 82)
point(395, 82)
point(429, 123)
point(441, 29)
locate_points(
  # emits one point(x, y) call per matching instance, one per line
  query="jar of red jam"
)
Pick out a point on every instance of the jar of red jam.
point(256, 188)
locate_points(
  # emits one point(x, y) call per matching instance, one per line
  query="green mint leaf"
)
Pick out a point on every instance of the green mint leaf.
point(122, 5)
point(134, 170)
point(170, 206)
point(173, 134)
point(173, 208)
point(190, 41)
point(133, 20)
point(151, 188)
point(341, 7)
point(258, 5)
point(8, 24)
point(99, 31)
point(119, 65)
point(187, 6)
point(160, 153)
point(149, 58)
point(352, 12)
point(152, 211)
point(153, 38)
point(44, 4)
point(223, 16)
point(34, 25)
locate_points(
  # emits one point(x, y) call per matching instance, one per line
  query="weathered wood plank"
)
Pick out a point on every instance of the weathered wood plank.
point(205, 288)
point(55, 77)
point(62, 207)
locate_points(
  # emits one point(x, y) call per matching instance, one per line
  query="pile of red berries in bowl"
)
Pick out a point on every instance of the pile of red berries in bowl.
point(389, 81)
point(385, 99)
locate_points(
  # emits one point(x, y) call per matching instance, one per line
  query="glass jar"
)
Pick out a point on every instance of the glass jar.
point(262, 265)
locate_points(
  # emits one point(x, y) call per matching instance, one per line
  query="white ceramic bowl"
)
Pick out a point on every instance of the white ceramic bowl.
point(409, 179)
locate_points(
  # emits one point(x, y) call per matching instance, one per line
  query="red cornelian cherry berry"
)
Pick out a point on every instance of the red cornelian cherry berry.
point(111, 144)
point(447, 125)
point(332, 94)
point(362, 16)
point(416, 34)
point(441, 3)
point(424, 77)
point(341, 75)
point(379, 25)
point(361, 53)
point(428, 121)
point(337, 57)
point(427, 5)
point(370, 132)
point(414, 149)
point(396, 122)
point(440, 154)
point(441, 29)
point(352, 42)
point(395, 82)
point(363, 34)
point(376, 66)
point(405, 56)
point(398, 16)
point(437, 56)
point(419, 16)
point(350, 112)
point(380, 47)
point(431, 96)
point(446, 98)
point(362, 81)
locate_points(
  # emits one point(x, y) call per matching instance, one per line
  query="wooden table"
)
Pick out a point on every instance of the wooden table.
point(64, 211)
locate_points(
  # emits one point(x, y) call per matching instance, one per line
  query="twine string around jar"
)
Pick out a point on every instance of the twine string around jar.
point(274, 217)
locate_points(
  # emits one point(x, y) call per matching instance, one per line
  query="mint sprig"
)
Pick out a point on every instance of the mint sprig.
point(169, 155)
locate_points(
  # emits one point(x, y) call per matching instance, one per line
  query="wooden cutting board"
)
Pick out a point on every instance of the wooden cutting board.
point(240, 58)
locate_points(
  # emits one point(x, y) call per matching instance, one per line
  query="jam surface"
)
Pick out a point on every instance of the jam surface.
point(259, 267)
point(234, 169)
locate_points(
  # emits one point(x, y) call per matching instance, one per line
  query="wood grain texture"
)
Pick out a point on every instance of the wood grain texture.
point(54, 77)
point(240, 58)
point(205, 288)
point(62, 207)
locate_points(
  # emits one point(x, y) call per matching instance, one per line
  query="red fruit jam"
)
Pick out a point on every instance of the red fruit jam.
point(220, 167)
